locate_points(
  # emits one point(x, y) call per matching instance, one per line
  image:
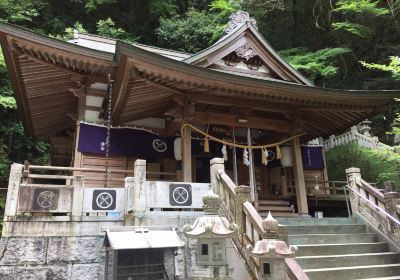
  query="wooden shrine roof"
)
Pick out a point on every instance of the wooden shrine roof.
point(45, 73)
point(42, 71)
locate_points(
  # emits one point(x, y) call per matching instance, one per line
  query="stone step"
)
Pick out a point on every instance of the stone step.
point(354, 272)
point(312, 262)
point(279, 214)
point(299, 239)
point(274, 202)
point(341, 249)
point(265, 208)
point(381, 278)
point(333, 229)
point(318, 221)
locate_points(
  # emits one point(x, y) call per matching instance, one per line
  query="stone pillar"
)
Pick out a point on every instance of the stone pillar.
point(392, 202)
point(301, 194)
point(353, 174)
point(77, 200)
point(139, 191)
point(13, 190)
point(215, 165)
point(187, 154)
point(242, 195)
point(169, 262)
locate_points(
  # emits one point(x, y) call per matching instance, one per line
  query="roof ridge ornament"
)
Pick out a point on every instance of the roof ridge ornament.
point(237, 19)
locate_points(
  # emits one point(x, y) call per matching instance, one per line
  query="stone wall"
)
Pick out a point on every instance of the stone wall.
point(52, 258)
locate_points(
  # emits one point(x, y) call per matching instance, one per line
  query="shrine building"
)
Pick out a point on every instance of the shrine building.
point(139, 134)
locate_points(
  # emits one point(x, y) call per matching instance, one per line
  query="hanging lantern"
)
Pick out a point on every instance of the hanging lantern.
point(178, 148)
point(286, 156)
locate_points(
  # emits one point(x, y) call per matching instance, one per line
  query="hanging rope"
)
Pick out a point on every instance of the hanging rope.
point(108, 137)
point(228, 143)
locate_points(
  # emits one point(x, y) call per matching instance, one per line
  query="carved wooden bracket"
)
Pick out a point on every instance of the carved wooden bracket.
point(182, 113)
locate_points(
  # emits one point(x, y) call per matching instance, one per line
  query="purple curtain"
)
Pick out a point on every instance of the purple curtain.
point(312, 157)
point(124, 141)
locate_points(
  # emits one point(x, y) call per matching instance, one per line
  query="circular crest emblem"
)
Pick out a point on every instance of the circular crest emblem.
point(104, 200)
point(46, 199)
point(180, 195)
point(159, 145)
point(271, 155)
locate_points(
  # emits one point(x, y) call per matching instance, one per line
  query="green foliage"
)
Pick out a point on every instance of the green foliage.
point(190, 33)
point(92, 5)
point(395, 125)
point(224, 7)
point(69, 32)
point(16, 11)
point(393, 66)
point(360, 6)
point(107, 28)
point(353, 28)
point(314, 64)
point(376, 165)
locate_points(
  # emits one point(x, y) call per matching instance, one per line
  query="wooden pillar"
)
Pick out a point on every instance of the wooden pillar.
point(187, 154)
point(301, 194)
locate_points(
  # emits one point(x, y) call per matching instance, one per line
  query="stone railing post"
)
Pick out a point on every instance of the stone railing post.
point(13, 190)
point(215, 165)
point(353, 174)
point(242, 195)
point(77, 198)
point(129, 185)
point(139, 191)
point(392, 203)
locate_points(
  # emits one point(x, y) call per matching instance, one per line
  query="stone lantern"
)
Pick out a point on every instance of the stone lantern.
point(211, 232)
point(271, 252)
point(365, 128)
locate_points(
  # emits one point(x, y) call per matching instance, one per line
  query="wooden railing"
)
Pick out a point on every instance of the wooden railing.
point(236, 207)
point(319, 187)
point(380, 209)
point(90, 174)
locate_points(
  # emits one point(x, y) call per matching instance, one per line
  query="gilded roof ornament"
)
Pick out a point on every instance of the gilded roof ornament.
point(237, 19)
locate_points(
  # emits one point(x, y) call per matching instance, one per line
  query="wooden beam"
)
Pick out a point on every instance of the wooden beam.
point(241, 103)
point(327, 109)
point(120, 95)
point(233, 120)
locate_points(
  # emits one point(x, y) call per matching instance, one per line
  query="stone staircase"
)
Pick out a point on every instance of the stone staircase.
point(278, 208)
point(340, 248)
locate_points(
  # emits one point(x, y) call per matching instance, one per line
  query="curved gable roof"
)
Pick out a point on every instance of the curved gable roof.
point(242, 34)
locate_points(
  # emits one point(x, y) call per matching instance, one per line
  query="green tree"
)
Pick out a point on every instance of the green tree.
point(191, 32)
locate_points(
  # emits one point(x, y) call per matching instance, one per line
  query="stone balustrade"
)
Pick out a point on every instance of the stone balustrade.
point(378, 208)
point(352, 136)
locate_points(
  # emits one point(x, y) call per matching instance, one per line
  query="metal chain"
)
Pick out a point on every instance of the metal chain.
point(108, 137)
